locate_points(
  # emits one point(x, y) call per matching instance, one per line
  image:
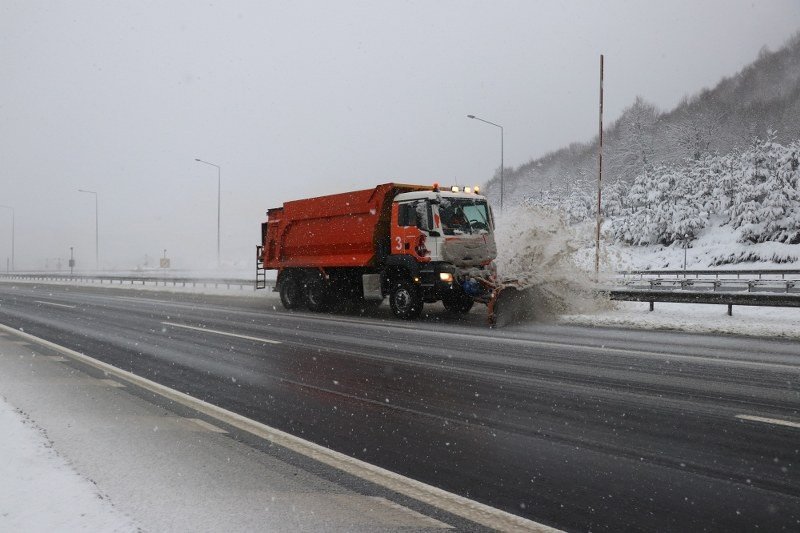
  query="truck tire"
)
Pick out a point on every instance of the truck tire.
point(406, 300)
point(459, 305)
point(318, 298)
point(291, 293)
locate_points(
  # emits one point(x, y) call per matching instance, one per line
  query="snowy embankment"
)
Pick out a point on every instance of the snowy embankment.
point(696, 318)
point(39, 490)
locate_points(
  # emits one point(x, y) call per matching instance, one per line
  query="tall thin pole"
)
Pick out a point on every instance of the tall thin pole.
point(96, 229)
point(599, 177)
point(219, 203)
point(501, 153)
point(96, 234)
point(501, 167)
point(13, 232)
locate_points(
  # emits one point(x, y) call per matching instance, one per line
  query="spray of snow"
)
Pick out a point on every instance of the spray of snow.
point(537, 247)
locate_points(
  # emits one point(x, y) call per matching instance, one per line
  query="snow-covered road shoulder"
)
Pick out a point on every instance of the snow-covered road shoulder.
point(40, 491)
point(697, 318)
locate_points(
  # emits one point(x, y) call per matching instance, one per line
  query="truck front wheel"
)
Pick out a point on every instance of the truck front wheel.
point(406, 300)
point(291, 293)
point(459, 305)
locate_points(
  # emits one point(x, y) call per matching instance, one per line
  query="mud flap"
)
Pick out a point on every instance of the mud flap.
point(510, 304)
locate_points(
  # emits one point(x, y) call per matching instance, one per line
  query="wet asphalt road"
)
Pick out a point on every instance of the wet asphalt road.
point(578, 428)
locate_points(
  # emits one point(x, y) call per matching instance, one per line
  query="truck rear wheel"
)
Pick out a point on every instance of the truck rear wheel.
point(406, 300)
point(291, 293)
point(317, 297)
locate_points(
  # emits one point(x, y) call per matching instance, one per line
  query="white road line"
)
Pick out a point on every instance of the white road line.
point(217, 332)
point(774, 421)
point(205, 425)
point(559, 345)
point(441, 499)
point(112, 383)
point(55, 304)
point(481, 334)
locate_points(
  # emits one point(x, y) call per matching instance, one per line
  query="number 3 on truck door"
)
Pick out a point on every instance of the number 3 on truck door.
point(399, 244)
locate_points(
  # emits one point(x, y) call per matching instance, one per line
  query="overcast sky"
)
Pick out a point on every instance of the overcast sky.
point(294, 99)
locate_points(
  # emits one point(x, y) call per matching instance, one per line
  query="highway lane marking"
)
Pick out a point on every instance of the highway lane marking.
point(111, 383)
point(55, 304)
point(484, 335)
point(773, 421)
point(564, 345)
point(545, 344)
point(218, 332)
point(206, 426)
point(446, 501)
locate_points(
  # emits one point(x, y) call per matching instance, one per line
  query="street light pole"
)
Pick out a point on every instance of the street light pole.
point(96, 231)
point(13, 231)
point(501, 154)
point(219, 192)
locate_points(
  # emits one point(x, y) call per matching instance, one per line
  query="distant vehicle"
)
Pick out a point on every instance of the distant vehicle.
point(415, 244)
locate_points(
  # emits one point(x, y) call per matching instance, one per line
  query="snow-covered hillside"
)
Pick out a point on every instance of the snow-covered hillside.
point(741, 208)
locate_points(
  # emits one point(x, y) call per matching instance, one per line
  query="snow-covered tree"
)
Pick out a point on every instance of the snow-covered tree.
point(614, 199)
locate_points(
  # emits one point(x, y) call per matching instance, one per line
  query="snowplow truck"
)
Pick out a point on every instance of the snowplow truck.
point(411, 243)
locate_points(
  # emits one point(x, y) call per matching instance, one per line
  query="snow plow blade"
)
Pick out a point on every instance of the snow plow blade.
point(511, 302)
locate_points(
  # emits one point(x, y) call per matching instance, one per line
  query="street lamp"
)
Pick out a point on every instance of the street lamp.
point(96, 231)
point(685, 245)
point(12, 233)
point(219, 189)
point(501, 154)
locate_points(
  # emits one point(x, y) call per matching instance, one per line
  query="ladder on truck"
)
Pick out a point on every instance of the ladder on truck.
point(261, 272)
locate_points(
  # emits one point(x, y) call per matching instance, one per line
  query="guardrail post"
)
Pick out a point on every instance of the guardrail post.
point(730, 309)
point(652, 306)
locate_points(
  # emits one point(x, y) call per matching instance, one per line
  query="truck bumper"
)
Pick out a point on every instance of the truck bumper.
point(434, 288)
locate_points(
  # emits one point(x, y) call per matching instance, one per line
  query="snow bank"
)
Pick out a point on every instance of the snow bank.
point(40, 492)
point(698, 318)
point(537, 247)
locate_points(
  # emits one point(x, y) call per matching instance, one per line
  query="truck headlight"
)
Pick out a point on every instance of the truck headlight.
point(446, 276)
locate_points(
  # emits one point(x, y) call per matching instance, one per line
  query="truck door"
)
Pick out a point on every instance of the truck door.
point(407, 238)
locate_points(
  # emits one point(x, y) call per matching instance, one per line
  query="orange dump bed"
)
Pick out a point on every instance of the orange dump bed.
point(340, 230)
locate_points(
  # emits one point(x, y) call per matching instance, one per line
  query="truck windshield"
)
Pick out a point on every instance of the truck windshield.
point(464, 215)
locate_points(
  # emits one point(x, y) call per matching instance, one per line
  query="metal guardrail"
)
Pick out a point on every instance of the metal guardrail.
point(706, 297)
point(710, 273)
point(730, 292)
point(768, 288)
point(787, 286)
point(137, 280)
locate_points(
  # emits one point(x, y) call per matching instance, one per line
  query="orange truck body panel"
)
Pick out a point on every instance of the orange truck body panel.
point(339, 230)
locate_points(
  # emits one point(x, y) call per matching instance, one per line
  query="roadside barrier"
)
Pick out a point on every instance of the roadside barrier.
point(136, 280)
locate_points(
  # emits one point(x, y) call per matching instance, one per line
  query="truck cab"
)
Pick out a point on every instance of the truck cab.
point(446, 240)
